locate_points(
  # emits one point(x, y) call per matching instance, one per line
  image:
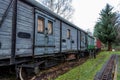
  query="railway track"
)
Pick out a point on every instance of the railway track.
point(118, 68)
point(108, 70)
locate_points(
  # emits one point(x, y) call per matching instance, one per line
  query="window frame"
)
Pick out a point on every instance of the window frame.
point(82, 37)
point(51, 27)
point(68, 33)
point(43, 19)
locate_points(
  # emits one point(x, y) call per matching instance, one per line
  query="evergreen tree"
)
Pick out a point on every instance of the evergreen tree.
point(106, 27)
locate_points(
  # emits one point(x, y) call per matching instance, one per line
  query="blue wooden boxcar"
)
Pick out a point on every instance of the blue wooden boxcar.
point(30, 31)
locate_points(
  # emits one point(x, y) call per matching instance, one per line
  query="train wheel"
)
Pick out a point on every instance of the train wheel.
point(23, 74)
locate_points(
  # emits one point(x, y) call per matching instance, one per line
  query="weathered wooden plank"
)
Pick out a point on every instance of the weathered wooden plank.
point(64, 49)
point(19, 23)
point(30, 24)
point(6, 29)
point(4, 2)
point(25, 18)
point(39, 51)
point(5, 45)
point(23, 41)
point(28, 15)
point(7, 20)
point(25, 5)
point(6, 25)
point(24, 51)
point(5, 42)
point(24, 10)
point(5, 33)
point(5, 52)
point(5, 37)
point(50, 50)
point(9, 13)
point(25, 28)
point(43, 40)
point(3, 5)
point(26, 46)
point(3, 10)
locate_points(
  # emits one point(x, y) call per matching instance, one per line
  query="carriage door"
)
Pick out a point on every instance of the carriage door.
point(69, 37)
point(44, 37)
point(83, 41)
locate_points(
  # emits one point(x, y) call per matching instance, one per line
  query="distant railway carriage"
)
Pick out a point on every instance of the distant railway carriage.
point(29, 32)
point(91, 44)
point(98, 44)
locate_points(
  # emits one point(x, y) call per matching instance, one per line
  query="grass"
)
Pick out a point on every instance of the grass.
point(88, 70)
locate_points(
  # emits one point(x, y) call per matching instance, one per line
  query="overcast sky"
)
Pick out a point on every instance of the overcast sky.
point(87, 11)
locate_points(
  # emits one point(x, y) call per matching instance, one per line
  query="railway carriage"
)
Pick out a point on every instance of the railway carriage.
point(91, 46)
point(91, 42)
point(29, 32)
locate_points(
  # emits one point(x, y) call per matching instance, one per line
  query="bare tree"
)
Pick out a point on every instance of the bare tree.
point(118, 28)
point(61, 7)
point(88, 31)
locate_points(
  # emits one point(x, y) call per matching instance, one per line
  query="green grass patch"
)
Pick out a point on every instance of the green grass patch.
point(87, 70)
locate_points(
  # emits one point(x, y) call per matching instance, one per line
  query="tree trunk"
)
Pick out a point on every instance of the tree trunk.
point(109, 46)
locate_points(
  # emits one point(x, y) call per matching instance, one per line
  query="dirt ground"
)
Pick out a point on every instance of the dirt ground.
point(56, 71)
